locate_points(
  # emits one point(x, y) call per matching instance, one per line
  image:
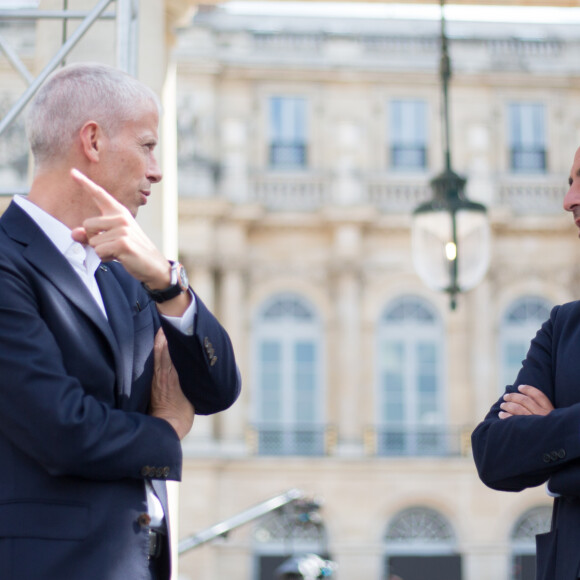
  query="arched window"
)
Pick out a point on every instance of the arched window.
point(410, 380)
point(523, 538)
point(521, 321)
point(420, 543)
point(289, 531)
point(289, 382)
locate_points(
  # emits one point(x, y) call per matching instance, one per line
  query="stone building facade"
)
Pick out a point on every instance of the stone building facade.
point(304, 145)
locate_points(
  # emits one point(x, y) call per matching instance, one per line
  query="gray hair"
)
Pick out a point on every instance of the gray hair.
point(79, 93)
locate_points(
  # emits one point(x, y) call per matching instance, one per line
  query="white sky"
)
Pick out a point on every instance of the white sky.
point(422, 11)
point(387, 10)
point(18, 3)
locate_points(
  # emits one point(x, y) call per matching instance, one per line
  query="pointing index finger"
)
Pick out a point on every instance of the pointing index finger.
point(104, 200)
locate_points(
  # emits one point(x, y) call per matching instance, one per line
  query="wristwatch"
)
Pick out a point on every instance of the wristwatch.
point(178, 284)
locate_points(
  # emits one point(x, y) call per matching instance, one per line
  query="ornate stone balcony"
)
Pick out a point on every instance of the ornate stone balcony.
point(397, 193)
point(394, 193)
point(532, 194)
point(293, 191)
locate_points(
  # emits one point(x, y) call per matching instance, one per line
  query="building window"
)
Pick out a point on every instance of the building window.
point(519, 325)
point(288, 127)
point(288, 359)
point(411, 418)
point(534, 521)
point(408, 135)
point(527, 137)
point(420, 544)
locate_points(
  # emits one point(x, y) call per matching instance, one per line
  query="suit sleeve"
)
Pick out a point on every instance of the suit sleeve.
point(525, 451)
point(205, 362)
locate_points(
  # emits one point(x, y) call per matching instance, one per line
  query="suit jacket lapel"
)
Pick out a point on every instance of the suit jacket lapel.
point(39, 250)
point(118, 313)
point(45, 257)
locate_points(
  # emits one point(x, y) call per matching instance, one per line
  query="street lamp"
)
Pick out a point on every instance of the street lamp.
point(450, 234)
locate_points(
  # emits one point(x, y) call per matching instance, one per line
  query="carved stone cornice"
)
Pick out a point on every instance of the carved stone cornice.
point(178, 13)
point(550, 3)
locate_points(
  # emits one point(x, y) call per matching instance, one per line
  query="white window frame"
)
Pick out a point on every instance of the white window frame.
point(527, 137)
point(413, 431)
point(408, 131)
point(288, 331)
point(287, 132)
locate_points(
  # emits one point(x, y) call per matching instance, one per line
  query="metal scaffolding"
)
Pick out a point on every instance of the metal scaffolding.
point(303, 506)
point(126, 15)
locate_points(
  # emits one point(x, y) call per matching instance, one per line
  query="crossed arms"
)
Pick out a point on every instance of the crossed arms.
point(531, 435)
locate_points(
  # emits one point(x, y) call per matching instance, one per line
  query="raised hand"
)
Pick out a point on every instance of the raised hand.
point(527, 401)
point(115, 235)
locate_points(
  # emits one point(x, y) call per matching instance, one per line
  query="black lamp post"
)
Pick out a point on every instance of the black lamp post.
point(450, 233)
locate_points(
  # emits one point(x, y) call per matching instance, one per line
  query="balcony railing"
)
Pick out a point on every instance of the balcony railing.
point(291, 191)
point(315, 440)
point(393, 193)
point(408, 157)
point(540, 194)
point(528, 160)
point(303, 440)
point(418, 441)
point(287, 155)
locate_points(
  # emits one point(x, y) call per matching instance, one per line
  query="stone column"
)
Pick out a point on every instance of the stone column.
point(484, 388)
point(348, 186)
point(235, 175)
point(201, 439)
point(231, 425)
point(232, 251)
point(484, 563)
point(347, 354)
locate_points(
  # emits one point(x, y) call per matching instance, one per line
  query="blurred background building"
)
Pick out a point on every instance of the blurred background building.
point(304, 143)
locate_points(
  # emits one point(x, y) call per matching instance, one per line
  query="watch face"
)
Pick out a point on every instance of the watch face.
point(183, 280)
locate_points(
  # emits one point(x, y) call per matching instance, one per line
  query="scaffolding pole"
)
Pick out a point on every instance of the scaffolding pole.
point(253, 513)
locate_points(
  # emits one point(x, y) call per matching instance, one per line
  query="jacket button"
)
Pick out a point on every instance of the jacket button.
point(166, 471)
point(546, 457)
point(146, 471)
point(561, 453)
point(554, 455)
point(144, 520)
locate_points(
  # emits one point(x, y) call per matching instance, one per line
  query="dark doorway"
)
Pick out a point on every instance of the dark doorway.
point(446, 567)
point(267, 565)
point(524, 567)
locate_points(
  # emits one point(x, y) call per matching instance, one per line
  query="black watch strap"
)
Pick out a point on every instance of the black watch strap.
point(179, 284)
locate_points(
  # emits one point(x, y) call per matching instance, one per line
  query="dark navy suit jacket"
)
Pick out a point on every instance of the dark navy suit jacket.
point(76, 442)
point(526, 451)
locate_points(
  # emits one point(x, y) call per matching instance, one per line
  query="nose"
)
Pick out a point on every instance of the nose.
point(154, 174)
point(572, 198)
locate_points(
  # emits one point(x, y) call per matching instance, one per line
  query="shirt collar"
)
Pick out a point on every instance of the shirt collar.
point(60, 235)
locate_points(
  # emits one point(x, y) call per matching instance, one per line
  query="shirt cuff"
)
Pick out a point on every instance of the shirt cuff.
point(551, 493)
point(185, 322)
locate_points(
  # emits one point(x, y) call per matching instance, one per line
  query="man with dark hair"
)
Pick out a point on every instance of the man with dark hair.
point(105, 351)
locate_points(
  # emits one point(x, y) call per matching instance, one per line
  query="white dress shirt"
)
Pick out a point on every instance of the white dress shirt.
point(85, 262)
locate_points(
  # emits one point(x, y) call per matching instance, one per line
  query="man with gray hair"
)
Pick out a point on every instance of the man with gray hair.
point(106, 352)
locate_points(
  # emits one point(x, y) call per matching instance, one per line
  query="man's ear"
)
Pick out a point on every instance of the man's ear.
point(91, 136)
